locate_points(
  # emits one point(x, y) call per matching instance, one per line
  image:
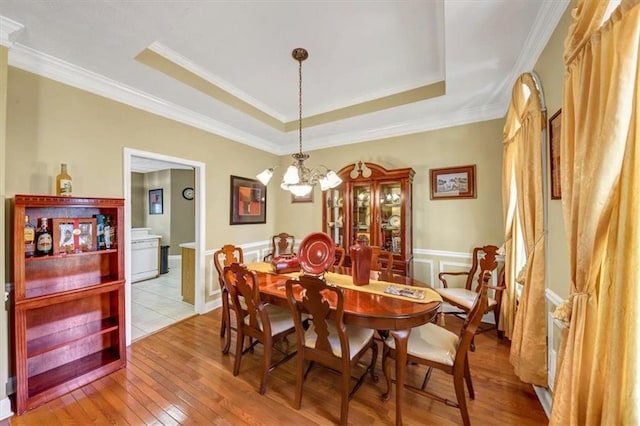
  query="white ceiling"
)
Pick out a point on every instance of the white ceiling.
point(358, 51)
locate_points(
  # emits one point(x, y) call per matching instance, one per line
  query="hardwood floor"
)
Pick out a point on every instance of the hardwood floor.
point(180, 376)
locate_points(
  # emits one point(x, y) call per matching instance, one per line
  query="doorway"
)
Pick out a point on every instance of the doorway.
point(136, 160)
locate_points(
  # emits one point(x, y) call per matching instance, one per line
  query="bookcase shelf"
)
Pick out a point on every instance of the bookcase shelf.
point(69, 320)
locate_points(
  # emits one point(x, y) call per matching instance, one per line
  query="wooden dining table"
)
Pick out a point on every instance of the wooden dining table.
point(375, 311)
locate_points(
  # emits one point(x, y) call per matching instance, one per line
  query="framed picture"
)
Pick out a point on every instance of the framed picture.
point(554, 154)
point(302, 199)
point(453, 182)
point(248, 201)
point(74, 235)
point(155, 201)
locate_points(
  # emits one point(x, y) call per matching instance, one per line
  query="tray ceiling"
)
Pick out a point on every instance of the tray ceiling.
point(375, 69)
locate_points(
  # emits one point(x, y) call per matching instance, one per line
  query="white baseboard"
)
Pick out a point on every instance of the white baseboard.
point(545, 399)
point(208, 307)
point(5, 409)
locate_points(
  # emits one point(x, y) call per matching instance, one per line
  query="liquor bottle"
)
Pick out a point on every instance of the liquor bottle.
point(63, 182)
point(44, 240)
point(100, 222)
point(108, 232)
point(29, 238)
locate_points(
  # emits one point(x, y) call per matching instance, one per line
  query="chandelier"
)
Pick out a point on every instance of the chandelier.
point(299, 179)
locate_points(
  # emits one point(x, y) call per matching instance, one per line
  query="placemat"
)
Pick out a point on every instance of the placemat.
point(374, 286)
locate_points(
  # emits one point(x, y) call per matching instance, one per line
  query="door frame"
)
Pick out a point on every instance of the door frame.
point(200, 227)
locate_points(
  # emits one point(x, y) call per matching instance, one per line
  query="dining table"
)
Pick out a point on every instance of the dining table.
point(370, 309)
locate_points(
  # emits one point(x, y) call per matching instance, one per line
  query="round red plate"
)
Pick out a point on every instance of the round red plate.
point(316, 253)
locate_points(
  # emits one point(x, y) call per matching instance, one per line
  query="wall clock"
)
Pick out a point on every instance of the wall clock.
point(187, 193)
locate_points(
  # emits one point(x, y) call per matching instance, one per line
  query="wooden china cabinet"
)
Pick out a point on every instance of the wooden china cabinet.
point(68, 306)
point(373, 204)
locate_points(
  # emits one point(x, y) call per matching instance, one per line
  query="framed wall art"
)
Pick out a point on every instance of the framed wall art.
point(74, 235)
point(248, 201)
point(554, 154)
point(155, 201)
point(453, 182)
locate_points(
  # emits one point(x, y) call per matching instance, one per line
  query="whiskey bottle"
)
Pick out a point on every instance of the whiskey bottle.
point(29, 238)
point(63, 182)
point(44, 240)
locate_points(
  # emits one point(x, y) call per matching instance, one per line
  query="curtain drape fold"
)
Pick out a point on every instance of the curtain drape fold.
point(598, 377)
point(522, 161)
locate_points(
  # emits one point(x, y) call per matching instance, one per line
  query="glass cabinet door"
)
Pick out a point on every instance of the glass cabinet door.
point(390, 198)
point(361, 217)
point(335, 216)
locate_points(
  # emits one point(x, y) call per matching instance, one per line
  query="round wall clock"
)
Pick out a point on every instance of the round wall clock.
point(187, 193)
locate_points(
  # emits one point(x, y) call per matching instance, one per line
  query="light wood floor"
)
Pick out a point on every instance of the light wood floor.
point(179, 376)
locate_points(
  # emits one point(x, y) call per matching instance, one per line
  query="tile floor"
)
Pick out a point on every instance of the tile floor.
point(157, 303)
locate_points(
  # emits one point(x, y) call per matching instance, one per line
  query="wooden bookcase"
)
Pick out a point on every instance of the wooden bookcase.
point(68, 308)
point(375, 204)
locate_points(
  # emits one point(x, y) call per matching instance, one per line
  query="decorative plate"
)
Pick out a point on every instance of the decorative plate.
point(394, 220)
point(316, 253)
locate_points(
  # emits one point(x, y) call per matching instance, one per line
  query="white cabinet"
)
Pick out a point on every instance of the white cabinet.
point(145, 255)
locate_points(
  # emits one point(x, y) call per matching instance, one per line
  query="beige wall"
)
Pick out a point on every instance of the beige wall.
point(160, 224)
point(50, 123)
point(550, 69)
point(445, 225)
point(138, 191)
point(182, 211)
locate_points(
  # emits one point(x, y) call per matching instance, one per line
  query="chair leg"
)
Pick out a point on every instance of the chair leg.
point(458, 384)
point(344, 397)
point(496, 316)
point(427, 376)
point(223, 322)
point(239, 350)
point(267, 352)
point(297, 399)
point(467, 377)
point(374, 360)
point(225, 326)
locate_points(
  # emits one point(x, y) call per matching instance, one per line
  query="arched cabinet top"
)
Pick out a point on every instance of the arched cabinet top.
point(364, 171)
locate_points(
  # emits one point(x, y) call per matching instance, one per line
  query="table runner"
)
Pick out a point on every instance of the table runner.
point(346, 281)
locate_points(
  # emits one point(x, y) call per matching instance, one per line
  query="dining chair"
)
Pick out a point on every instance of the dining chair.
point(281, 244)
point(484, 263)
point(341, 254)
point(377, 255)
point(437, 347)
point(225, 256)
point(263, 323)
point(328, 340)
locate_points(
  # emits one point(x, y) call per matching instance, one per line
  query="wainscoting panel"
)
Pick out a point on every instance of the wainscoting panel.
point(555, 329)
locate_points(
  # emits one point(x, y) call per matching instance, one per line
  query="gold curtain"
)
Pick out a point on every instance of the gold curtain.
point(598, 379)
point(523, 163)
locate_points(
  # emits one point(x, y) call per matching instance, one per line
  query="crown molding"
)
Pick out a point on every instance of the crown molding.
point(7, 29)
point(50, 67)
point(543, 27)
point(56, 69)
point(435, 122)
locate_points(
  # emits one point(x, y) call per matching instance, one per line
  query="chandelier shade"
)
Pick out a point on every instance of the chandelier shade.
point(298, 178)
